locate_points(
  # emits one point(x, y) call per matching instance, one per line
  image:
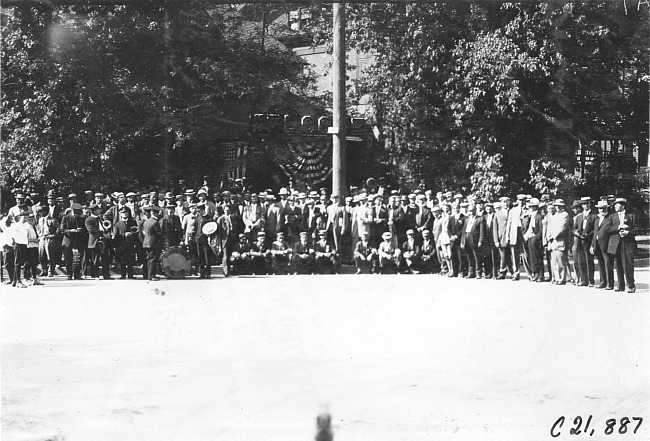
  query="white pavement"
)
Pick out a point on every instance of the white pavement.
point(391, 357)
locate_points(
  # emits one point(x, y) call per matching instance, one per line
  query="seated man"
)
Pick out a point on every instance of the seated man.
point(240, 259)
point(429, 262)
point(326, 257)
point(411, 254)
point(389, 254)
point(303, 258)
point(365, 257)
point(280, 254)
point(260, 255)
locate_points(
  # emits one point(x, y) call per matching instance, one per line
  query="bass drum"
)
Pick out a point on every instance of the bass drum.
point(176, 263)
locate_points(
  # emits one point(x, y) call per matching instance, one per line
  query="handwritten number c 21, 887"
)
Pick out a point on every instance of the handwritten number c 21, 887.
point(612, 426)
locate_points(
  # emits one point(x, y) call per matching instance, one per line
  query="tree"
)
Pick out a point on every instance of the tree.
point(468, 96)
point(118, 93)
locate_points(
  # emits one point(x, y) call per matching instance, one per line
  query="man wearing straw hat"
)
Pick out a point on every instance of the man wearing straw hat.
point(599, 244)
point(559, 237)
point(622, 244)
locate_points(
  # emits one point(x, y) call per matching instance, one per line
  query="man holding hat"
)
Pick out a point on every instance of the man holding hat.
point(97, 243)
point(599, 244)
point(151, 236)
point(622, 244)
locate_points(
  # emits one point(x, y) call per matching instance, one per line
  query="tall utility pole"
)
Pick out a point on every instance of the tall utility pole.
point(339, 129)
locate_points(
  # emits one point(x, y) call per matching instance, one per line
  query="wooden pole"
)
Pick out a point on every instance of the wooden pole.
point(339, 129)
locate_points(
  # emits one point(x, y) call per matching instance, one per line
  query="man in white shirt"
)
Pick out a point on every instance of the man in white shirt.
point(20, 239)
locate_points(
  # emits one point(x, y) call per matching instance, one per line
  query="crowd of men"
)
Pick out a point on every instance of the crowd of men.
point(315, 232)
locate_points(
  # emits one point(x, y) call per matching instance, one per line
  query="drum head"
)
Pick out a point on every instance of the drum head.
point(176, 263)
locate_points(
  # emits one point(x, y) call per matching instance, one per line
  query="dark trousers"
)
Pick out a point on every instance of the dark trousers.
point(624, 263)
point(505, 258)
point(9, 261)
point(70, 267)
point(605, 267)
point(492, 262)
point(205, 252)
point(152, 255)
point(99, 256)
point(20, 258)
point(30, 270)
point(589, 264)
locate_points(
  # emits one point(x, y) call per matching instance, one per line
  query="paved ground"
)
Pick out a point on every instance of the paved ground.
point(391, 357)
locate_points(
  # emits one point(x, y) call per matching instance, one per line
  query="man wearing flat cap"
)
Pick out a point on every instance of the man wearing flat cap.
point(622, 244)
point(97, 239)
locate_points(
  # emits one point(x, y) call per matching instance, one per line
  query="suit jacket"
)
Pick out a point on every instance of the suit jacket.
point(423, 219)
point(456, 224)
point(171, 228)
point(72, 239)
point(513, 227)
point(615, 239)
point(500, 228)
point(588, 223)
point(151, 234)
point(559, 231)
point(227, 228)
point(94, 233)
point(475, 235)
point(601, 234)
point(274, 220)
point(436, 229)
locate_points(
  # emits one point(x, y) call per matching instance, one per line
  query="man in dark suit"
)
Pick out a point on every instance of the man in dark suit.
point(491, 258)
point(599, 244)
point(586, 237)
point(97, 244)
point(532, 228)
point(71, 228)
point(227, 236)
point(170, 224)
point(577, 249)
point(471, 241)
point(622, 244)
point(151, 236)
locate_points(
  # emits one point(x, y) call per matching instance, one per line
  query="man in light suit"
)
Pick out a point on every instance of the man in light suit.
point(622, 244)
point(559, 236)
point(515, 234)
point(599, 244)
point(500, 236)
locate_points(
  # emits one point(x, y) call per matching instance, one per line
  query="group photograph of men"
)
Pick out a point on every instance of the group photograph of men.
point(375, 230)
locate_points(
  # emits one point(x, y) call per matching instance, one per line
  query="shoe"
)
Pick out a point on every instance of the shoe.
point(122, 278)
point(609, 288)
point(501, 277)
point(19, 285)
point(154, 279)
point(37, 282)
point(109, 278)
point(515, 277)
point(632, 290)
point(358, 272)
point(601, 286)
point(618, 290)
point(583, 284)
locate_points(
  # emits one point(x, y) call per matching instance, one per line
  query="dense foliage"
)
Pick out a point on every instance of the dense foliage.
point(496, 98)
point(114, 94)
